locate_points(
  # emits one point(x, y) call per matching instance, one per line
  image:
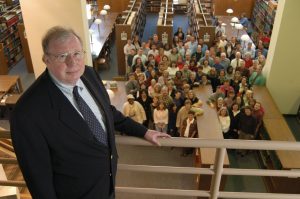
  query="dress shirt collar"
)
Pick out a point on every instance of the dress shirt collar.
point(66, 88)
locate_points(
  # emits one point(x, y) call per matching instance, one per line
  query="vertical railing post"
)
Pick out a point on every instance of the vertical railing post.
point(218, 170)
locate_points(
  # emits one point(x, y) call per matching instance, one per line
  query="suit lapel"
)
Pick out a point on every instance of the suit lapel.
point(68, 115)
point(71, 118)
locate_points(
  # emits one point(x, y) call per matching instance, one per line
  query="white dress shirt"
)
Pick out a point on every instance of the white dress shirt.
point(67, 90)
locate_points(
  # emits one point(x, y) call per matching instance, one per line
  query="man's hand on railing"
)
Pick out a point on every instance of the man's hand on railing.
point(152, 136)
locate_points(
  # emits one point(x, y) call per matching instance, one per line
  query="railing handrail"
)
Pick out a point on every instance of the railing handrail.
point(209, 171)
point(204, 143)
point(129, 13)
point(213, 143)
point(199, 193)
point(216, 171)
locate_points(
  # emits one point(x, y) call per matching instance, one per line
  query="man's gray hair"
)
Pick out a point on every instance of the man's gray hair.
point(57, 33)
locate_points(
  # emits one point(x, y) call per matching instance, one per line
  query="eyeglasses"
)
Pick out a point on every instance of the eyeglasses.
point(77, 55)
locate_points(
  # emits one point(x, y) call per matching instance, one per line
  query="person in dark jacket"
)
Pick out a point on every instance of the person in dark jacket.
point(172, 130)
point(234, 114)
point(145, 101)
point(247, 126)
point(63, 126)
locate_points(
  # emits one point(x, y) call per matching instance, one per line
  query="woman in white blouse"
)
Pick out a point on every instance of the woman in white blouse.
point(161, 117)
point(224, 121)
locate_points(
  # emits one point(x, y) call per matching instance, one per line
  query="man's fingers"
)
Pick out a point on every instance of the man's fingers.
point(164, 135)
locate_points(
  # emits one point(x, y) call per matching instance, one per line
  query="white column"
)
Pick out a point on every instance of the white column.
point(39, 16)
point(282, 68)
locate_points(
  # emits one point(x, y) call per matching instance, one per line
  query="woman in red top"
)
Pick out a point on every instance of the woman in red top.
point(248, 60)
point(180, 62)
point(161, 53)
point(258, 113)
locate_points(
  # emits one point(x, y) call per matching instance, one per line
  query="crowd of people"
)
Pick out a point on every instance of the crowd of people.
point(162, 78)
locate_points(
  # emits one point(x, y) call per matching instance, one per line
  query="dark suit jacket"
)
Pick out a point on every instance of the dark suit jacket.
point(58, 156)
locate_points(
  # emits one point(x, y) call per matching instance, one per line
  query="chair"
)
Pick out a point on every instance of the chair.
point(101, 64)
point(8, 102)
point(12, 99)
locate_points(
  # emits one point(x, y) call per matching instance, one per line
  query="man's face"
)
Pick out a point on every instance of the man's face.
point(69, 71)
point(185, 67)
point(207, 53)
point(199, 48)
point(223, 56)
point(164, 92)
point(130, 101)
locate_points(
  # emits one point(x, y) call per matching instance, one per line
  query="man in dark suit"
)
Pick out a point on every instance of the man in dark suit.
point(63, 126)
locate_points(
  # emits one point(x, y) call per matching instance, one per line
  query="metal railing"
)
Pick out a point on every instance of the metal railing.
point(216, 171)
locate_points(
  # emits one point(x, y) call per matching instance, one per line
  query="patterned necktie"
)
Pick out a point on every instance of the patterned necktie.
point(90, 118)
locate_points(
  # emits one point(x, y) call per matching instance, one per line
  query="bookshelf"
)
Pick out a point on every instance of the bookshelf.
point(153, 6)
point(165, 22)
point(180, 6)
point(130, 23)
point(263, 16)
point(200, 20)
point(12, 2)
point(10, 42)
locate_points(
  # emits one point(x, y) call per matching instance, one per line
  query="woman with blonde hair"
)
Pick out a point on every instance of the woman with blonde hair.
point(161, 117)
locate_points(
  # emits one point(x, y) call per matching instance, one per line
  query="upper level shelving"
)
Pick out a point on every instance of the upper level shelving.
point(199, 14)
point(135, 17)
point(263, 16)
point(10, 42)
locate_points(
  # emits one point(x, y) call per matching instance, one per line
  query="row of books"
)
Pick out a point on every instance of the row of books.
point(135, 16)
point(199, 14)
point(11, 48)
point(263, 16)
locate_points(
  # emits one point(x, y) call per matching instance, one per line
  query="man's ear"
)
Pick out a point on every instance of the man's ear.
point(45, 59)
